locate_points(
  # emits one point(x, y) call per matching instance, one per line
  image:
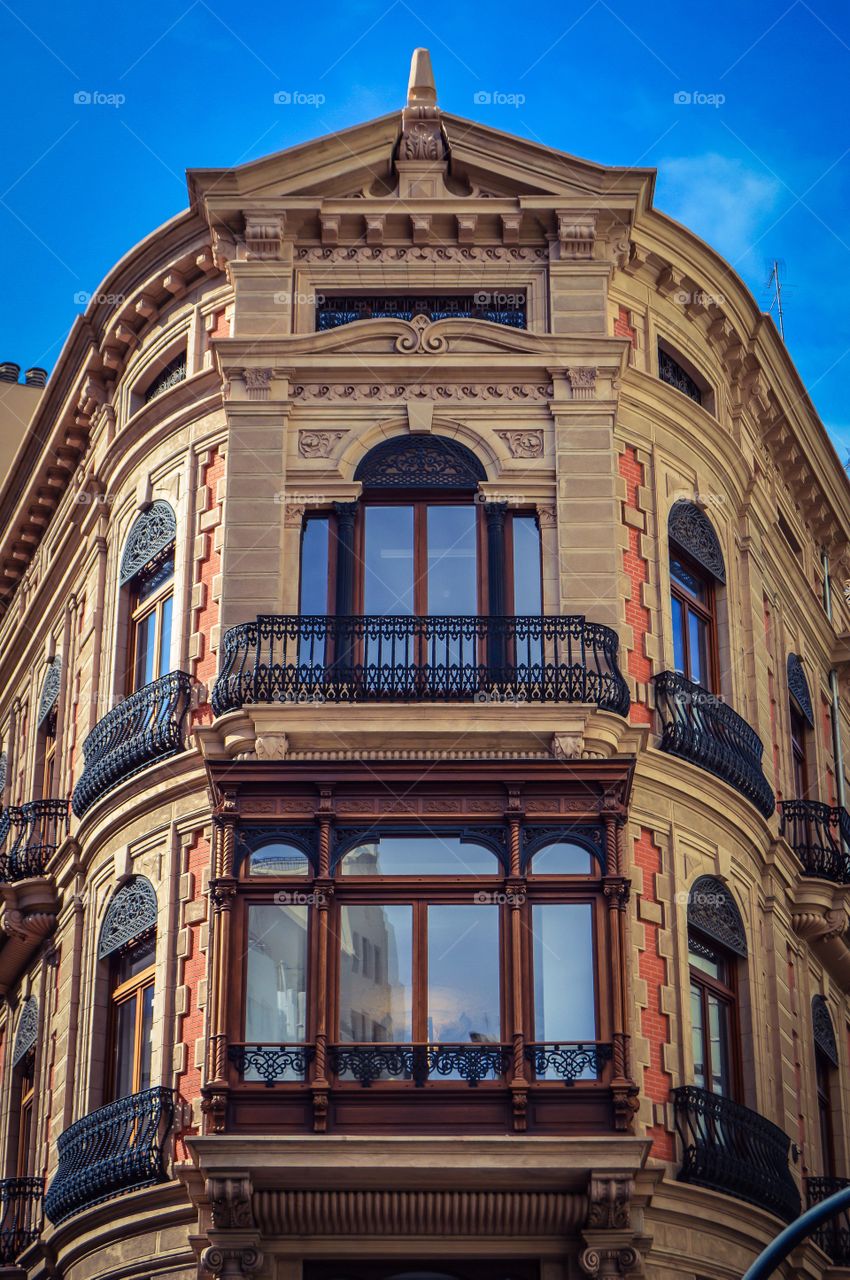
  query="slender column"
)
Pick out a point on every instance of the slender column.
point(516, 902)
point(616, 889)
point(323, 887)
point(222, 896)
point(495, 515)
point(346, 513)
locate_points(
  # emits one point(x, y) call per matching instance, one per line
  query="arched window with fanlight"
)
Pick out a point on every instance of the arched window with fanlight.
point(127, 945)
point(23, 1068)
point(697, 571)
point(802, 720)
point(826, 1067)
point(716, 945)
point(147, 574)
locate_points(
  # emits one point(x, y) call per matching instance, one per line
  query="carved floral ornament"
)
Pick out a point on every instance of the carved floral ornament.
point(318, 444)
point(523, 444)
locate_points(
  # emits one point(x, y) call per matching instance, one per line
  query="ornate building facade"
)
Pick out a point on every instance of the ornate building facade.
point(424, 655)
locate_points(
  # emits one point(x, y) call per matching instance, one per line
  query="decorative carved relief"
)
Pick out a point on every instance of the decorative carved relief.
point(293, 514)
point(230, 1202)
point(263, 235)
point(525, 391)
point(234, 1261)
point(271, 746)
point(576, 234)
point(582, 382)
point(523, 444)
point(258, 383)
point(421, 253)
point(610, 1260)
point(609, 1201)
point(318, 444)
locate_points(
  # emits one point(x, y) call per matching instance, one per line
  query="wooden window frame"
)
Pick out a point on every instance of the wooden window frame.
point(26, 1111)
point(139, 612)
point(705, 611)
point(727, 994)
point(798, 741)
point(120, 994)
point(826, 1119)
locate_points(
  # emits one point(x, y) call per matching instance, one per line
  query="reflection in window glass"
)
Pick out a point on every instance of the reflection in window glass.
point(278, 859)
point(680, 661)
point(528, 588)
point(452, 561)
point(463, 974)
point(314, 567)
point(145, 650)
point(431, 855)
point(564, 1006)
point(276, 982)
point(562, 859)
point(698, 1038)
point(376, 974)
point(388, 561)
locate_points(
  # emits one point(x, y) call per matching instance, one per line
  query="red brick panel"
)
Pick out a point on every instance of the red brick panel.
point(638, 618)
point(208, 568)
point(194, 972)
point(654, 1024)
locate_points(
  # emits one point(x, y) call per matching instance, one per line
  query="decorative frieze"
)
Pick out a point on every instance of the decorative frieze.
point(318, 444)
point(376, 252)
point(440, 392)
point(523, 444)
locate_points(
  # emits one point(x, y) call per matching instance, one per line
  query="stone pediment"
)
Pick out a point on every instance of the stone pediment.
point(420, 336)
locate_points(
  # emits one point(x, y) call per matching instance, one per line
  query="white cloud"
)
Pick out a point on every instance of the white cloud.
point(726, 203)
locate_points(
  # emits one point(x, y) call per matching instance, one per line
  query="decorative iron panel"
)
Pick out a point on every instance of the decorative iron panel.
point(798, 687)
point(29, 834)
point(819, 834)
point(834, 1236)
point(498, 306)
point(4, 765)
point(713, 911)
point(823, 1030)
point(151, 532)
point(118, 1148)
point(534, 837)
point(174, 372)
point(569, 1062)
point(146, 727)
point(420, 462)
point(671, 372)
point(131, 914)
point(303, 659)
point(693, 532)
point(21, 1210)
point(700, 727)
point(418, 1063)
point(27, 1032)
point(729, 1148)
point(49, 690)
point(273, 1063)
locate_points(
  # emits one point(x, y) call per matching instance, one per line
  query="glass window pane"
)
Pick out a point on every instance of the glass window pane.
point(686, 578)
point(388, 561)
point(130, 963)
point(679, 660)
point(528, 586)
point(125, 1045)
point(145, 650)
point(452, 561)
point(710, 964)
point(165, 636)
point(146, 1033)
point(563, 859)
point(697, 1037)
point(276, 980)
point(148, 581)
point(564, 1005)
point(313, 597)
point(376, 974)
point(431, 855)
point(696, 631)
point(463, 974)
point(718, 1024)
point(278, 859)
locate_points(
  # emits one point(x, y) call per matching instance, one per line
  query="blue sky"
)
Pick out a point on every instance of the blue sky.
point(762, 174)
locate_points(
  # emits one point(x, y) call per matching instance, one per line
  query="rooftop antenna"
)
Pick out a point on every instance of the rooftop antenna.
point(774, 281)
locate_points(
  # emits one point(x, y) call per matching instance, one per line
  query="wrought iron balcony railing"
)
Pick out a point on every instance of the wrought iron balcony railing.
point(728, 1147)
point(29, 834)
point(819, 834)
point(471, 1063)
point(146, 727)
point(699, 726)
point(568, 1062)
point(420, 659)
point(21, 1214)
point(271, 1063)
point(834, 1236)
point(115, 1149)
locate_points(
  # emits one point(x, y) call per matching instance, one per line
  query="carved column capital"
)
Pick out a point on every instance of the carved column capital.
point(230, 1201)
point(233, 1258)
point(598, 1260)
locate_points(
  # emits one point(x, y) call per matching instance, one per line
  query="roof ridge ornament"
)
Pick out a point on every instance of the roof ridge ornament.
point(423, 145)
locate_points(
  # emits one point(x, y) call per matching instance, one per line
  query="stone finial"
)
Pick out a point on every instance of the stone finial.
point(421, 90)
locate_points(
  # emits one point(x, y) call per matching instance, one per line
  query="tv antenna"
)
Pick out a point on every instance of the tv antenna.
point(774, 282)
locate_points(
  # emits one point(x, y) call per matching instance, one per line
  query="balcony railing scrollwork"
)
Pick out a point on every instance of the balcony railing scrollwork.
point(699, 726)
point(21, 1212)
point(29, 835)
point(568, 1062)
point(146, 727)
point(729, 1148)
point(471, 1063)
point(271, 1063)
point(291, 658)
point(834, 1236)
point(819, 834)
point(118, 1148)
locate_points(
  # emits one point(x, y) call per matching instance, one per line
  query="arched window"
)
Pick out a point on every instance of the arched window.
point(23, 1065)
point(147, 570)
point(128, 943)
point(826, 1063)
point(716, 941)
point(802, 720)
point(696, 567)
point(46, 726)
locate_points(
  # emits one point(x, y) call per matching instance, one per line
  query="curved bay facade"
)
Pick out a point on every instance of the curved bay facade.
point(424, 662)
